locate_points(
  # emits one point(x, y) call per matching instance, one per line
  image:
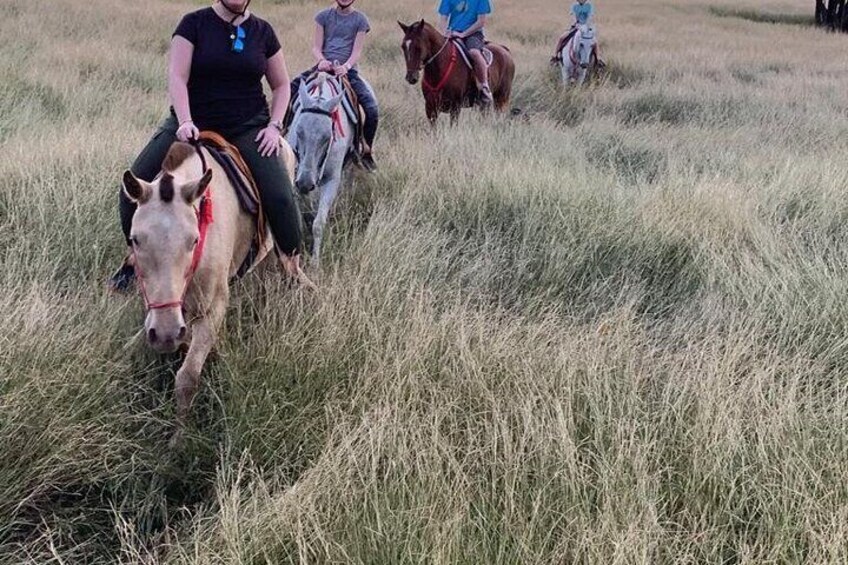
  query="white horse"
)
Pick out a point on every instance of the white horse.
point(578, 54)
point(321, 135)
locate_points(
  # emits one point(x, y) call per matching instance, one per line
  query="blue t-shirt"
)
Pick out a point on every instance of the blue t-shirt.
point(462, 14)
point(582, 12)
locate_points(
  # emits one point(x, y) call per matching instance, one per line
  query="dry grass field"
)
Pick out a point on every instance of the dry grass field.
point(613, 329)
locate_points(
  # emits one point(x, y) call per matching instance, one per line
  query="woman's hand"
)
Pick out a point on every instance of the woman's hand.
point(187, 131)
point(325, 66)
point(269, 141)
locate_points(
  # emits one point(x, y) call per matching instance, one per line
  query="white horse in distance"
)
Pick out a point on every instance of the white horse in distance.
point(579, 54)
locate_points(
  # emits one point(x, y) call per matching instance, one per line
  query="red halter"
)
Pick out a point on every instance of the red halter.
point(429, 88)
point(204, 219)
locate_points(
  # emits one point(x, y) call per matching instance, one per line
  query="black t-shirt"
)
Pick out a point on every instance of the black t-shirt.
point(225, 87)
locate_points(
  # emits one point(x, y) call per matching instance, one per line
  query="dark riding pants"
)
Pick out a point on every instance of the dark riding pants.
point(365, 94)
point(275, 188)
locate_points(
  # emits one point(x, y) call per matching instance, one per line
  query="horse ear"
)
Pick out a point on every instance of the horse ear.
point(303, 95)
point(195, 190)
point(331, 104)
point(403, 26)
point(137, 190)
point(421, 23)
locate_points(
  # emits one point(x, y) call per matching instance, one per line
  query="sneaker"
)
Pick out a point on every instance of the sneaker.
point(123, 278)
point(367, 161)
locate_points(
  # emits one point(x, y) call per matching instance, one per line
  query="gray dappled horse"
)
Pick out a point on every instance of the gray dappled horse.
point(321, 135)
point(578, 54)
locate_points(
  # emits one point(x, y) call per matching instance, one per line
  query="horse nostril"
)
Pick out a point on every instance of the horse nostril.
point(151, 335)
point(182, 332)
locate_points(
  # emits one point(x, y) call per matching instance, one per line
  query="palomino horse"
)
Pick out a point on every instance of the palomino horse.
point(321, 135)
point(578, 54)
point(185, 254)
point(448, 84)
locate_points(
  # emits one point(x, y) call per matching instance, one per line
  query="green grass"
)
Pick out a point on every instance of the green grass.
point(609, 330)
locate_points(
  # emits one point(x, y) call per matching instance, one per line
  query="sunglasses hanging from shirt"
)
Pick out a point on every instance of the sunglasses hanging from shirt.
point(237, 35)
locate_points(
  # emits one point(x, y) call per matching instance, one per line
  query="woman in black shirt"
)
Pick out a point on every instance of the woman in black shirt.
point(217, 59)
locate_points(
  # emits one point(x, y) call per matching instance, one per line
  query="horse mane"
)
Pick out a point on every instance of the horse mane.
point(177, 154)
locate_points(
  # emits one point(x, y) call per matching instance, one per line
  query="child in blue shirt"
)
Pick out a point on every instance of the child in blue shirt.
point(583, 13)
point(466, 20)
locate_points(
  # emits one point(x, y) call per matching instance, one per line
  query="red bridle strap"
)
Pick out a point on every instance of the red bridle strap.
point(454, 55)
point(204, 219)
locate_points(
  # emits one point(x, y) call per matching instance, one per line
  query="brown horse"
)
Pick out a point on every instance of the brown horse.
point(185, 250)
point(448, 84)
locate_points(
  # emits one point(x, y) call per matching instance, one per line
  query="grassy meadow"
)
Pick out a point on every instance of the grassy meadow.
point(613, 329)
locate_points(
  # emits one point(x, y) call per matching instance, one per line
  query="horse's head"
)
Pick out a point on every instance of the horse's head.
point(584, 44)
point(164, 235)
point(312, 133)
point(417, 48)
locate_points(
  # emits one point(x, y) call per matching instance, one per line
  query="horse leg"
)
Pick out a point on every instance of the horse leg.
point(454, 114)
point(329, 189)
point(432, 111)
point(204, 331)
point(501, 77)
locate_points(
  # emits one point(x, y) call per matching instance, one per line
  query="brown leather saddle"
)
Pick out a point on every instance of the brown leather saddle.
point(229, 158)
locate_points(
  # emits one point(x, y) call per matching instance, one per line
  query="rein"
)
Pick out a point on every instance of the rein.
point(454, 56)
point(439, 52)
point(204, 220)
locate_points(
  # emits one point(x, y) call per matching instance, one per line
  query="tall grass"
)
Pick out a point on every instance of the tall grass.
point(609, 330)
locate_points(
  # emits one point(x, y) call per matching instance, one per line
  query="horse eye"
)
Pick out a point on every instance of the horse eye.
point(134, 240)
